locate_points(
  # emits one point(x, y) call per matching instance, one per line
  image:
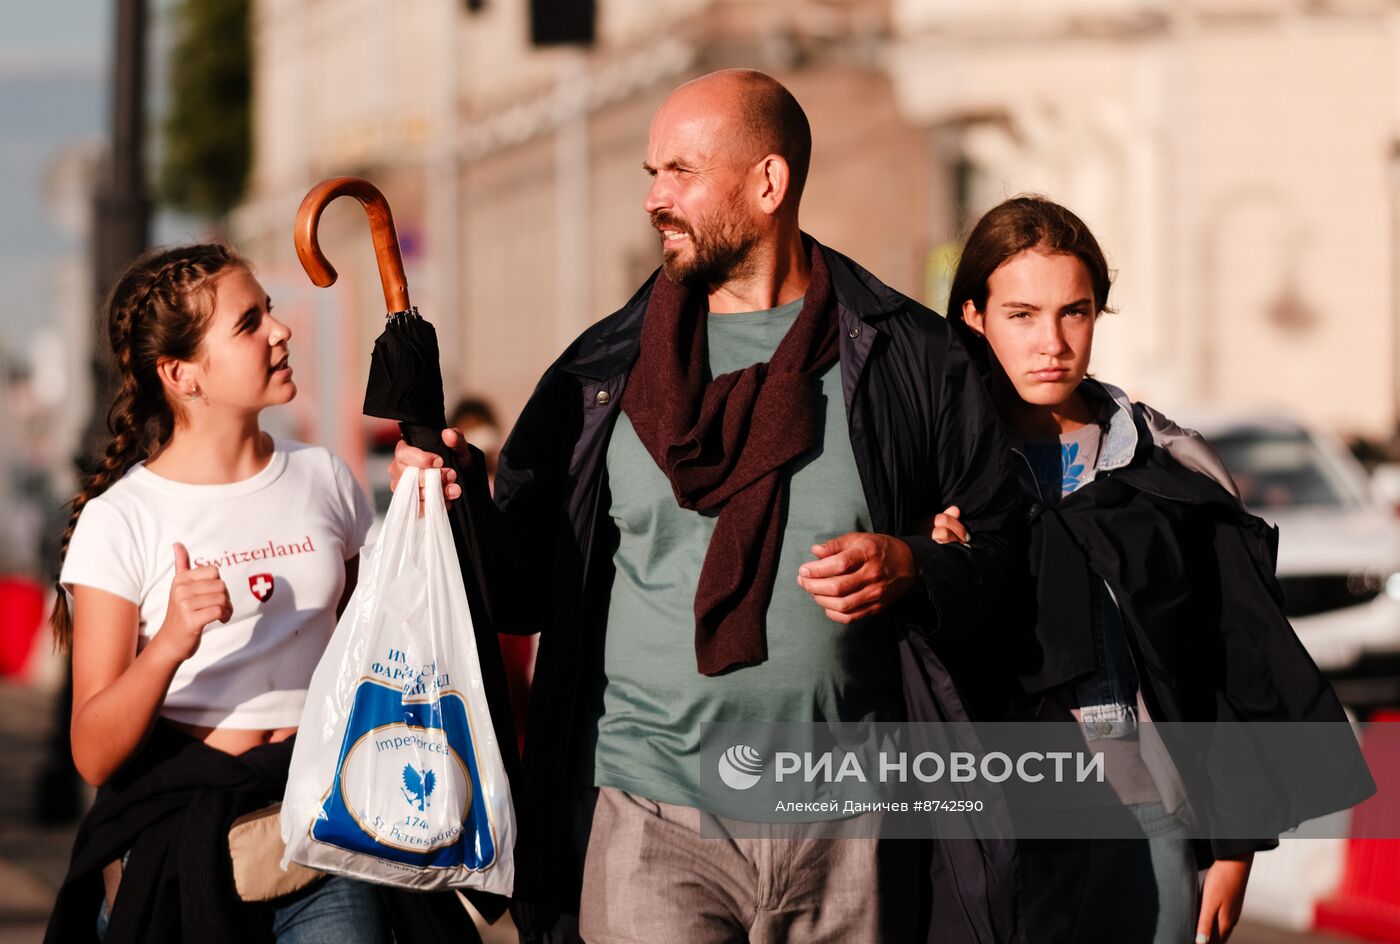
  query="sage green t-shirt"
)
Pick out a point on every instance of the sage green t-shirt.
point(653, 697)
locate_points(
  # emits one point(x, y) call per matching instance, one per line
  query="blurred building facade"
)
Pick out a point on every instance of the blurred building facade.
point(46, 393)
point(1237, 158)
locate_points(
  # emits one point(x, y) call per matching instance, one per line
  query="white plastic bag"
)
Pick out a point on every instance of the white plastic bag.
point(396, 776)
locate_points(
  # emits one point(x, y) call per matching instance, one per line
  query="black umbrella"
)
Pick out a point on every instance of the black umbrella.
point(405, 384)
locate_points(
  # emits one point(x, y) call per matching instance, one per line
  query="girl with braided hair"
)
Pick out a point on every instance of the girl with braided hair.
point(204, 566)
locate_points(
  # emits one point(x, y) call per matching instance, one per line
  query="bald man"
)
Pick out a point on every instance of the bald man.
point(713, 507)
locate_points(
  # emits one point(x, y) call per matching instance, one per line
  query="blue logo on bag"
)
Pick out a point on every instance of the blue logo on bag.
point(395, 756)
point(417, 787)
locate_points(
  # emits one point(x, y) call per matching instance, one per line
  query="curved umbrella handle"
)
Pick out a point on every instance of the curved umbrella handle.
point(381, 224)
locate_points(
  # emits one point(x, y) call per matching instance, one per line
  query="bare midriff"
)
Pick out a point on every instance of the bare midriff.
point(233, 740)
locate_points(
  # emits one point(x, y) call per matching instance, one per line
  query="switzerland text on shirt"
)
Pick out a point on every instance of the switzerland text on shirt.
point(258, 553)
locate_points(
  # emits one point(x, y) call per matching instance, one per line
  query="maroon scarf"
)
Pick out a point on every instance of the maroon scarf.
point(724, 446)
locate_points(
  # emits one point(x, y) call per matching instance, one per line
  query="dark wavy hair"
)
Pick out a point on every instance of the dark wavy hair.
point(1024, 222)
point(159, 308)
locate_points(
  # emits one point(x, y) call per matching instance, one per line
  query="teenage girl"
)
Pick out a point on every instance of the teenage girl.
point(1145, 642)
point(204, 567)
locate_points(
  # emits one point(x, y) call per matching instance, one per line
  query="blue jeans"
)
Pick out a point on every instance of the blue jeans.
point(1111, 891)
point(1108, 699)
point(339, 910)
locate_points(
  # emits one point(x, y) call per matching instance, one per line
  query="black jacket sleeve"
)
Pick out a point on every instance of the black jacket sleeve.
point(519, 530)
point(969, 587)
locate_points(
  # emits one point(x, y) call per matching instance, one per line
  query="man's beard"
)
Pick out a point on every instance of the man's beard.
point(722, 250)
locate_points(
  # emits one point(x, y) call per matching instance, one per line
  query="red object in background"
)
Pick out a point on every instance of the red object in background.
point(383, 435)
point(21, 615)
point(518, 655)
point(1367, 903)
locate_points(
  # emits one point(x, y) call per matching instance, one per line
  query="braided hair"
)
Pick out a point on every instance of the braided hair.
point(159, 308)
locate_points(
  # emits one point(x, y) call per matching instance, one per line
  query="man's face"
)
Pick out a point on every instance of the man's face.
point(699, 198)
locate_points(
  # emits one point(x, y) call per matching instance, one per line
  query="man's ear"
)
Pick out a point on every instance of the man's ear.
point(975, 319)
point(775, 178)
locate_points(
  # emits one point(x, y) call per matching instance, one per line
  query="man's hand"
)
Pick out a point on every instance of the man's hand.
point(858, 575)
point(406, 456)
point(1222, 897)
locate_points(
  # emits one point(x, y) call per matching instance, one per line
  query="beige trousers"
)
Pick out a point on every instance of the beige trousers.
point(650, 877)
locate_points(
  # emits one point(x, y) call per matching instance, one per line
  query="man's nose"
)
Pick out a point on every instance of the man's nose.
point(658, 196)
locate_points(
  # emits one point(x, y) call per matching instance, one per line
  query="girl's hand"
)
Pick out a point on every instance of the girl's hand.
point(197, 598)
point(945, 528)
point(1222, 897)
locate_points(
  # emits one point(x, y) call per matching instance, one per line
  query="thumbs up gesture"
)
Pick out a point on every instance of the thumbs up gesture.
point(198, 597)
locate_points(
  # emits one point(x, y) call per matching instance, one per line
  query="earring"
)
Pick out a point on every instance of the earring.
point(192, 396)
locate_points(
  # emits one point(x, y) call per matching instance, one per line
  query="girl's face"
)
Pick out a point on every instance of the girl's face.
point(1039, 324)
point(245, 363)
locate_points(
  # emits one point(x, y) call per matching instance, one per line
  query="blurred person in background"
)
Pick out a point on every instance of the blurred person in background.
point(58, 789)
point(1028, 292)
point(203, 569)
point(712, 506)
point(475, 419)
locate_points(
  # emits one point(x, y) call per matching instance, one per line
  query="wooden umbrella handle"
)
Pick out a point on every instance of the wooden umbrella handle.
point(381, 225)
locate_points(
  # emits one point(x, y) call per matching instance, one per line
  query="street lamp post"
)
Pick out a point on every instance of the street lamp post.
point(123, 209)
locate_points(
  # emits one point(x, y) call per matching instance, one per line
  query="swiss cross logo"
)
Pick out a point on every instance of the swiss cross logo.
point(262, 586)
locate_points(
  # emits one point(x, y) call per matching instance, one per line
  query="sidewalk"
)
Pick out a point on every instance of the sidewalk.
point(33, 858)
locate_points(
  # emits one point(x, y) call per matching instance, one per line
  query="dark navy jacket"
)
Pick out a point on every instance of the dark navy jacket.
point(1194, 576)
point(925, 436)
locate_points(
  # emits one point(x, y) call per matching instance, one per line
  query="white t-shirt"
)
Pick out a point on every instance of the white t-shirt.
point(280, 540)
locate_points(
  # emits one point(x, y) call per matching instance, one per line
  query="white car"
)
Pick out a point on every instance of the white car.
point(1339, 547)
